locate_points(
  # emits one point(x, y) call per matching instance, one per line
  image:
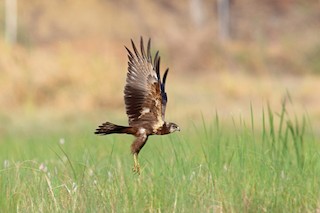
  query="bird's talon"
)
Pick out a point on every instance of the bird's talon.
point(136, 169)
point(136, 166)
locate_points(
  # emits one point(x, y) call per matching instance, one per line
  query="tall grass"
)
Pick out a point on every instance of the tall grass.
point(213, 167)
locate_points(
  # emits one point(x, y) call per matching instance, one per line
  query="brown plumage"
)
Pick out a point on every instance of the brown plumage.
point(145, 99)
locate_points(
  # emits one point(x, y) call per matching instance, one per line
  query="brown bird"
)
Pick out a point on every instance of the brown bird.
point(145, 99)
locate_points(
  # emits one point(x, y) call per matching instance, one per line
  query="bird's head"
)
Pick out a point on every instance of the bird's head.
point(173, 127)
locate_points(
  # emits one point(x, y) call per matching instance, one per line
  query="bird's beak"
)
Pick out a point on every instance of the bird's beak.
point(178, 128)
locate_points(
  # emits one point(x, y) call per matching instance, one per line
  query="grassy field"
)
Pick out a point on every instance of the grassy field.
point(208, 167)
point(65, 75)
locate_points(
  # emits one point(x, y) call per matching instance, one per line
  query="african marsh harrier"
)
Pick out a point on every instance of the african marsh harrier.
point(145, 99)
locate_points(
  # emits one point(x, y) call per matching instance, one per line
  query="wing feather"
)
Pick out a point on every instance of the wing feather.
point(163, 93)
point(145, 98)
point(149, 57)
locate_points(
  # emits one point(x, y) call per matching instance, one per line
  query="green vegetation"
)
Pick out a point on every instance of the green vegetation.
point(70, 62)
point(204, 168)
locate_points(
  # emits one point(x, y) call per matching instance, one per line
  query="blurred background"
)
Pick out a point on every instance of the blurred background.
point(65, 60)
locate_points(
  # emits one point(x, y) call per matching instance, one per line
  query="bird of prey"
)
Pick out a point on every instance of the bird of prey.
point(145, 99)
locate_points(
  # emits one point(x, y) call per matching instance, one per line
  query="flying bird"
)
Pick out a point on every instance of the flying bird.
point(145, 100)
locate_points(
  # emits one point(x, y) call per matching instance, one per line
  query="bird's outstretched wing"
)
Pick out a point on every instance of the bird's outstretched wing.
point(145, 96)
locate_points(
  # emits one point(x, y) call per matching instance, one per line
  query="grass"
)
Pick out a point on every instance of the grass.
point(213, 167)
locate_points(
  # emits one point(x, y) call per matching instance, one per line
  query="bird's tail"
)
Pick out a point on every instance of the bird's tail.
point(109, 128)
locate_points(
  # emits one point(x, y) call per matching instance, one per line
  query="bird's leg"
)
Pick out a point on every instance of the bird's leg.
point(136, 166)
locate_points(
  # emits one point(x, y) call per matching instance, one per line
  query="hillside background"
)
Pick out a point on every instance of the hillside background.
point(69, 60)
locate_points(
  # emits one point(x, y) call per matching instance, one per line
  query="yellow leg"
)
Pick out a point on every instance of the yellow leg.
point(136, 166)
